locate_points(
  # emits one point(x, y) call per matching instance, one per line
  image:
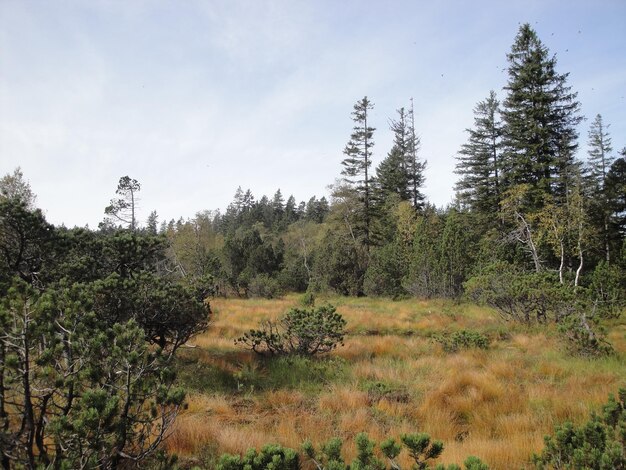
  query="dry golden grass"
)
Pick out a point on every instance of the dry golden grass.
point(495, 404)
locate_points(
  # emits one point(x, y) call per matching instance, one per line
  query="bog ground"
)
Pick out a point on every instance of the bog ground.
point(390, 377)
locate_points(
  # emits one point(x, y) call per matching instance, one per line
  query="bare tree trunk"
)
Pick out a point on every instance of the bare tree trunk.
point(606, 239)
point(580, 256)
point(529, 242)
point(367, 190)
point(132, 208)
point(305, 255)
point(562, 265)
point(4, 418)
point(28, 418)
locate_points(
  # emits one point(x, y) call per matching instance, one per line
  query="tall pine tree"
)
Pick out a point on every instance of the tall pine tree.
point(401, 172)
point(540, 116)
point(358, 152)
point(415, 166)
point(616, 195)
point(599, 162)
point(392, 175)
point(600, 158)
point(479, 161)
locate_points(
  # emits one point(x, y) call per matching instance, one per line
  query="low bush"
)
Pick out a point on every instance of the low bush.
point(271, 457)
point(308, 299)
point(596, 445)
point(303, 332)
point(463, 339)
point(539, 298)
point(264, 286)
point(608, 290)
point(584, 340)
point(520, 296)
point(420, 448)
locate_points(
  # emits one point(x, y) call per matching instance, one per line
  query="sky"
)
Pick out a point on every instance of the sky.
point(195, 98)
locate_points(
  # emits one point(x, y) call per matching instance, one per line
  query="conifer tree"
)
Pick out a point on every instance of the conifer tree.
point(124, 208)
point(540, 116)
point(15, 187)
point(391, 175)
point(415, 167)
point(152, 224)
point(599, 162)
point(479, 160)
point(401, 172)
point(358, 152)
point(616, 196)
point(291, 214)
point(600, 149)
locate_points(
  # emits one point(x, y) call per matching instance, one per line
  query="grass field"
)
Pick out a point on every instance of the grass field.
point(389, 378)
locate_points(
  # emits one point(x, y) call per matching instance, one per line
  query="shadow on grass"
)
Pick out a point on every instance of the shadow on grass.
point(245, 372)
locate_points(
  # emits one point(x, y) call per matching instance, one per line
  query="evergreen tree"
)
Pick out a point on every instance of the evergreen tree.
point(14, 187)
point(291, 214)
point(479, 160)
point(600, 149)
point(358, 152)
point(415, 167)
point(540, 116)
point(247, 202)
point(278, 205)
point(391, 175)
point(401, 172)
point(152, 224)
point(599, 162)
point(616, 197)
point(124, 208)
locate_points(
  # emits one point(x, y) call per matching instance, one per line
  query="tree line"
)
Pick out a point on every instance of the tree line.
point(524, 195)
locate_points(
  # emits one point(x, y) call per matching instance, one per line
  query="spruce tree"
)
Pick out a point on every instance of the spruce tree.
point(540, 116)
point(479, 160)
point(616, 196)
point(278, 205)
point(415, 167)
point(392, 175)
point(600, 149)
point(401, 172)
point(599, 162)
point(358, 152)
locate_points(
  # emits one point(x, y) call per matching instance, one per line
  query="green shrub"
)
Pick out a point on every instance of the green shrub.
point(608, 289)
point(539, 297)
point(308, 299)
point(300, 331)
point(420, 448)
point(520, 296)
point(379, 390)
point(583, 340)
point(596, 445)
point(463, 339)
point(262, 285)
point(271, 457)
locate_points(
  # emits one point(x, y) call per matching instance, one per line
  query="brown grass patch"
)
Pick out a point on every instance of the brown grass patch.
point(495, 404)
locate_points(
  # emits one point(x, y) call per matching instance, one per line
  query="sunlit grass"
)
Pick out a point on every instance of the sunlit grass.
point(391, 377)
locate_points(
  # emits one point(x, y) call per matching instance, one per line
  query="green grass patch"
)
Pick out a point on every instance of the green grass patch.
point(303, 373)
point(201, 377)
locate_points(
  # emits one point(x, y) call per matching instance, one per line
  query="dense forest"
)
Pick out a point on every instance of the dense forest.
point(91, 319)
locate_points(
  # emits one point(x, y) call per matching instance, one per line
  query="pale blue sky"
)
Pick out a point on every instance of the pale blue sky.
point(195, 98)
